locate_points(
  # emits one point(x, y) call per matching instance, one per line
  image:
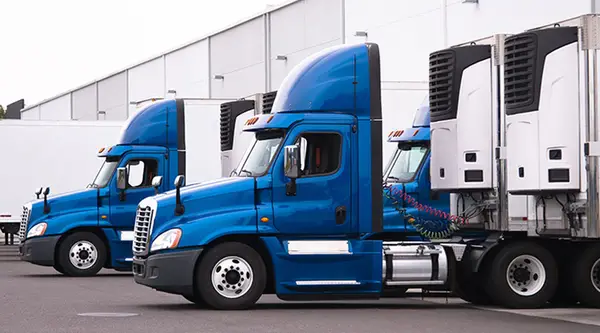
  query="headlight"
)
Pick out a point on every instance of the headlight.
point(167, 240)
point(37, 230)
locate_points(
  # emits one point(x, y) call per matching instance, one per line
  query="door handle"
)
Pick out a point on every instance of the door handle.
point(340, 215)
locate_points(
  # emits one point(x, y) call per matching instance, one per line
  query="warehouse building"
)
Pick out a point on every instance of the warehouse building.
point(255, 55)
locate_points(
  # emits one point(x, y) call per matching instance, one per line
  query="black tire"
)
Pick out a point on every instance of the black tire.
point(469, 286)
point(257, 276)
point(583, 285)
point(79, 239)
point(198, 301)
point(565, 295)
point(58, 268)
point(498, 287)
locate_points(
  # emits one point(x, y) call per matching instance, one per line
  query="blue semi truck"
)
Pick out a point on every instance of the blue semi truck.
point(304, 218)
point(81, 232)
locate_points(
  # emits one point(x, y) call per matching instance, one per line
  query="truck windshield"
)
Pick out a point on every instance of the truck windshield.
point(261, 153)
point(104, 174)
point(405, 163)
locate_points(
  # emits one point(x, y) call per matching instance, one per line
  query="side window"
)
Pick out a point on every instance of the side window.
point(319, 153)
point(141, 172)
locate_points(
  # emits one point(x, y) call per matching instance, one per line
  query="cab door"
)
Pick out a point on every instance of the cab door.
point(141, 169)
point(322, 201)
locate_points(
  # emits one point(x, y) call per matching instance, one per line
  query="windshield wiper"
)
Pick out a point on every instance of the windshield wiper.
point(393, 178)
point(246, 171)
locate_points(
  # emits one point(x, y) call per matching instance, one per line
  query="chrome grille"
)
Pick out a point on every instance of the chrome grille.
point(142, 229)
point(24, 221)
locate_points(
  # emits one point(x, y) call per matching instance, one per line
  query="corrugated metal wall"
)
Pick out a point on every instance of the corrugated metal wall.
point(255, 56)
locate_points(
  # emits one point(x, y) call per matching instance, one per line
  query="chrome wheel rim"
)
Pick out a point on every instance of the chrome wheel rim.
point(83, 255)
point(232, 277)
point(595, 275)
point(526, 275)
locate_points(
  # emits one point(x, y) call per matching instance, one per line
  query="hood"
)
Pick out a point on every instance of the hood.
point(62, 203)
point(203, 199)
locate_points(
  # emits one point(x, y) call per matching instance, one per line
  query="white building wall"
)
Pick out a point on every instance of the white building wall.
point(473, 21)
point(238, 55)
point(85, 103)
point(146, 81)
point(246, 55)
point(299, 30)
point(112, 97)
point(56, 109)
point(31, 114)
point(187, 71)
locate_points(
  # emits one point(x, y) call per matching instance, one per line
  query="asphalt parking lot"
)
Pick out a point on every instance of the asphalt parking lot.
point(36, 299)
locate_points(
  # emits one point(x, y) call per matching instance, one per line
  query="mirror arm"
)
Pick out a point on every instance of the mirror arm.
point(179, 208)
point(290, 188)
point(46, 206)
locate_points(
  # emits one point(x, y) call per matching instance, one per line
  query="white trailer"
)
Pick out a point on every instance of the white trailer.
point(58, 154)
point(516, 140)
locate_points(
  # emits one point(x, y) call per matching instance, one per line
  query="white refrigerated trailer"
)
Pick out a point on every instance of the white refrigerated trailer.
point(59, 154)
point(515, 140)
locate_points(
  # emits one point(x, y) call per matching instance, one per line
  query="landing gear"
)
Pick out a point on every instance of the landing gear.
point(522, 275)
point(231, 276)
point(81, 254)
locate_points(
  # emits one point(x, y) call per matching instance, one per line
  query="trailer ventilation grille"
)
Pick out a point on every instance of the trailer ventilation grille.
point(519, 60)
point(142, 230)
point(24, 221)
point(226, 124)
point(441, 68)
point(268, 99)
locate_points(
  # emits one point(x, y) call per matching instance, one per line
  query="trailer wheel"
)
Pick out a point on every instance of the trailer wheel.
point(522, 275)
point(231, 276)
point(81, 254)
point(586, 277)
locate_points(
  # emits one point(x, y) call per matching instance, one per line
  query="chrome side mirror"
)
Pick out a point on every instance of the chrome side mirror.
point(156, 182)
point(122, 178)
point(291, 165)
point(179, 181)
point(291, 168)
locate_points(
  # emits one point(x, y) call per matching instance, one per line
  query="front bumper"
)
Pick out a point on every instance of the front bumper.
point(39, 250)
point(171, 272)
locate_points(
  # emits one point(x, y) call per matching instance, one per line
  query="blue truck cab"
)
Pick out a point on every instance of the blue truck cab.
point(80, 232)
point(304, 217)
point(410, 206)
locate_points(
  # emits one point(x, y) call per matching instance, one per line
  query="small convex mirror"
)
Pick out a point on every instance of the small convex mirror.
point(156, 181)
point(121, 178)
point(291, 164)
point(179, 181)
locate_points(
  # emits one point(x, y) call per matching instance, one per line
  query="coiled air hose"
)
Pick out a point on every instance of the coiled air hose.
point(429, 228)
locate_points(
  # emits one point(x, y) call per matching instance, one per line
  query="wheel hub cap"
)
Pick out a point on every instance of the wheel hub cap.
point(83, 255)
point(232, 277)
point(526, 275)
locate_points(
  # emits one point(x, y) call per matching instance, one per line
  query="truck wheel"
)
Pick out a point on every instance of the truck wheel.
point(522, 275)
point(469, 286)
point(586, 277)
point(58, 268)
point(82, 254)
point(231, 276)
point(198, 301)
